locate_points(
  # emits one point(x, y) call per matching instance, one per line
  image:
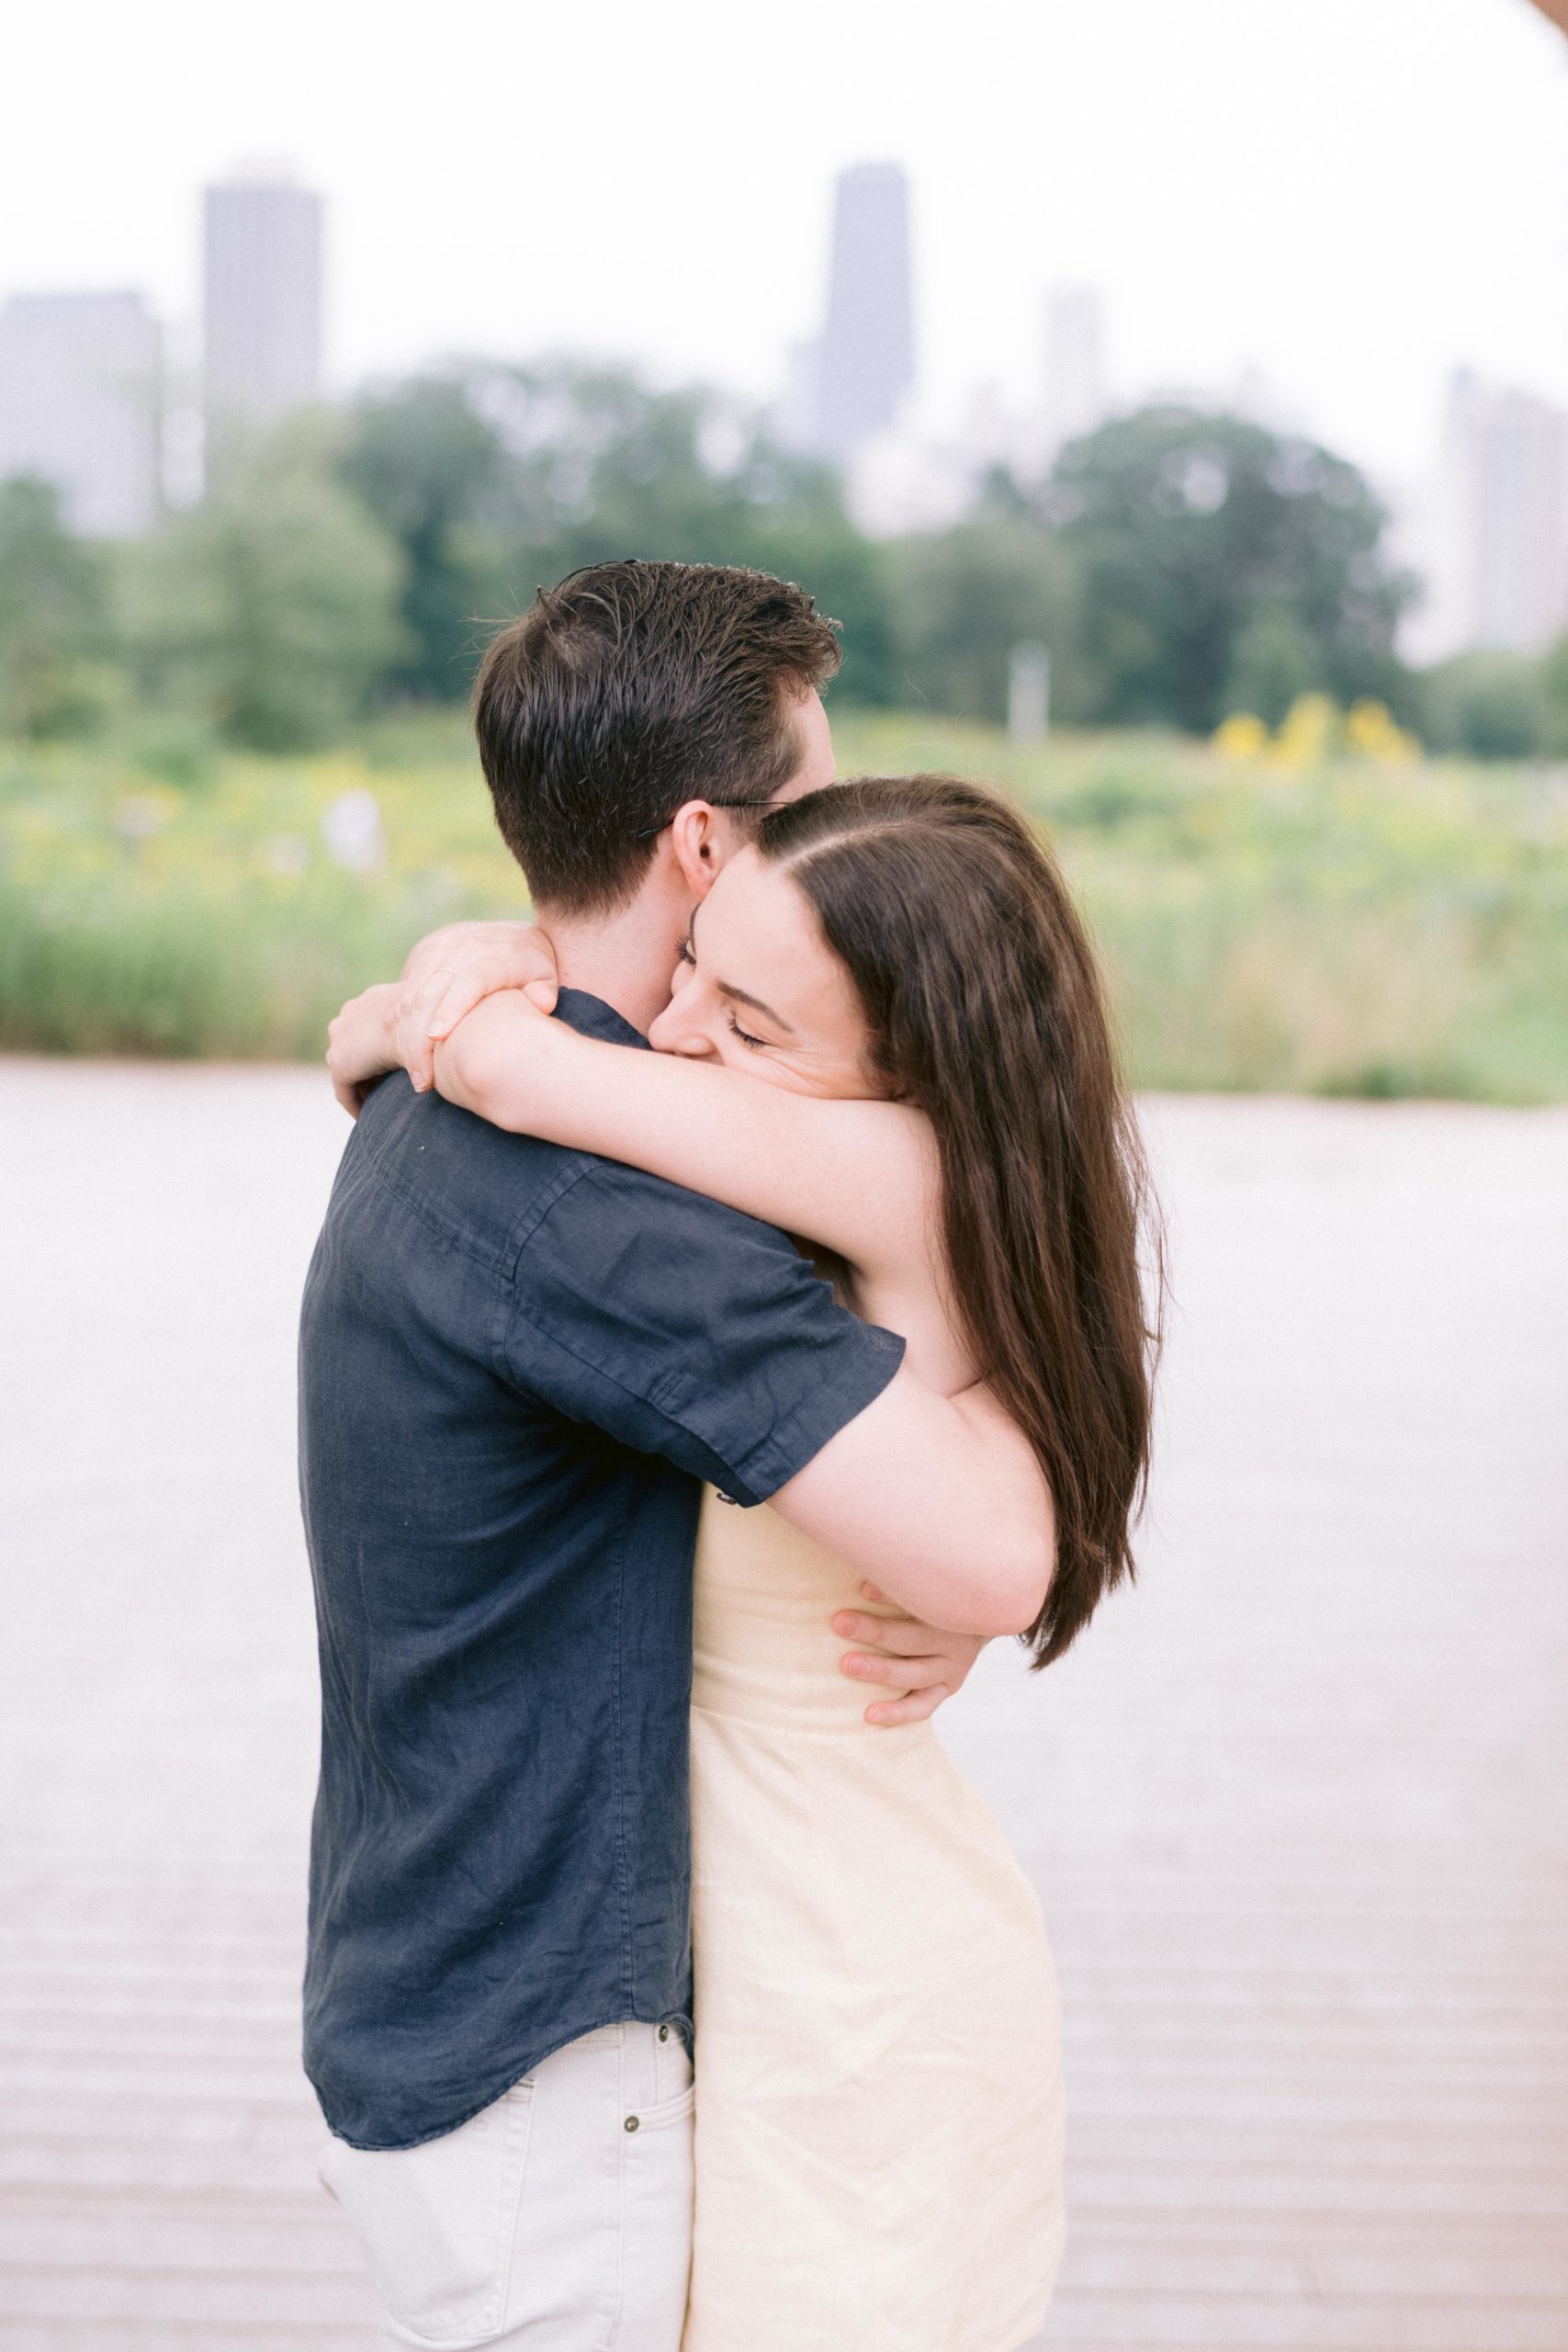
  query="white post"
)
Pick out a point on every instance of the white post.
point(1029, 692)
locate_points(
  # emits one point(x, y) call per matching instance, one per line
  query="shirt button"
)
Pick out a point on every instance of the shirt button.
point(631, 2123)
point(663, 2033)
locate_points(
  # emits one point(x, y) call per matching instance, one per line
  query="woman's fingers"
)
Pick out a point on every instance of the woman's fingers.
point(485, 957)
point(470, 986)
point(359, 1045)
point(915, 1707)
point(460, 991)
point(416, 1010)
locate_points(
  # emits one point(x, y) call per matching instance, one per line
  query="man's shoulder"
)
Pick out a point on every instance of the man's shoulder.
point(462, 1176)
point(522, 1196)
point(607, 1194)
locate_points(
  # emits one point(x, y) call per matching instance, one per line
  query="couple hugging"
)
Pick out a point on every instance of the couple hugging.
point(854, 1247)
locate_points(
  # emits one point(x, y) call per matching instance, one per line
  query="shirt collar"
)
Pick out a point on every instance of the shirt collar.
point(593, 1018)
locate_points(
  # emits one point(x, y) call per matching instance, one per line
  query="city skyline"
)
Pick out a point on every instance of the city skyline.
point(1354, 197)
point(93, 401)
point(88, 400)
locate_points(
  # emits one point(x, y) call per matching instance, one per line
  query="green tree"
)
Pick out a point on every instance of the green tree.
point(1553, 678)
point(1211, 551)
point(53, 614)
point(603, 467)
point(1276, 660)
point(271, 610)
point(964, 597)
point(1488, 704)
point(437, 475)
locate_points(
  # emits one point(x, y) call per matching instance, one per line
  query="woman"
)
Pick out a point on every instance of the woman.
point(878, 2144)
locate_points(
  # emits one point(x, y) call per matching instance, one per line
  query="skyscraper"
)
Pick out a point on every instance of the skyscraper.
point(866, 361)
point(1495, 537)
point(262, 299)
point(1076, 396)
point(79, 404)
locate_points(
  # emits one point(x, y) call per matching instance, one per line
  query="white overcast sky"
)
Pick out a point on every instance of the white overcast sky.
point(1352, 194)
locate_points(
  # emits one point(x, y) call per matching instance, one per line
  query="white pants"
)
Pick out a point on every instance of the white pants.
point(559, 2220)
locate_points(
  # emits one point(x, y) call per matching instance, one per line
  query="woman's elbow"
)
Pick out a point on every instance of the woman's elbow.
point(1022, 1585)
point(1012, 1610)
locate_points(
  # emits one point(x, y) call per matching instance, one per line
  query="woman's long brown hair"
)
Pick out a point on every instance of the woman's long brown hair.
point(985, 1009)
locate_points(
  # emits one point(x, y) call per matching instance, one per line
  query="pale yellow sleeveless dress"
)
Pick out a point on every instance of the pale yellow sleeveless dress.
point(879, 2102)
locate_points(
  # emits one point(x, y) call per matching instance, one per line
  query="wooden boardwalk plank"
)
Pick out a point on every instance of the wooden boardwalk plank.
point(1297, 1809)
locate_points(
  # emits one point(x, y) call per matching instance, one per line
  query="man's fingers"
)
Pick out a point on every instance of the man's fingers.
point(907, 1674)
point(898, 1636)
point(915, 1707)
point(543, 994)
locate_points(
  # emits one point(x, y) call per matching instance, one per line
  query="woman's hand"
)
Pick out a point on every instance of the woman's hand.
point(923, 1664)
point(397, 1025)
point(453, 969)
point(361, 1046)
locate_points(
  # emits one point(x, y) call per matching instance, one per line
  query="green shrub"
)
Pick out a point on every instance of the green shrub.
point(1343, 928)
point(1485, 705)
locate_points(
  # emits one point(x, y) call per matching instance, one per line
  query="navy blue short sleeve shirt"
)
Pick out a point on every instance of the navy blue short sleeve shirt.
point(517, 1364)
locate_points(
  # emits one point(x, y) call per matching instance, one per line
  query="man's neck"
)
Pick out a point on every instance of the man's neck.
point(626, 959)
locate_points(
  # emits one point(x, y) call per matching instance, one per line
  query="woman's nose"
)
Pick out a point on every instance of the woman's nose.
point(675, 1031)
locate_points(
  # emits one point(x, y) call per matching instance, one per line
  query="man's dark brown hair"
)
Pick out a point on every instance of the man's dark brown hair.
point(631, 688)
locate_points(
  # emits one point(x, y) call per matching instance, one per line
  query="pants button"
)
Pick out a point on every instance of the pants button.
point(663, 2033)
point(631, 2123)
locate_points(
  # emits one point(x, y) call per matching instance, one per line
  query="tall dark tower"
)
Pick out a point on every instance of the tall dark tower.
point(865, 362)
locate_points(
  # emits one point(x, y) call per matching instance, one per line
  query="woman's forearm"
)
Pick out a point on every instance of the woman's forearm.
point(856, 1176)
point(941, 1500)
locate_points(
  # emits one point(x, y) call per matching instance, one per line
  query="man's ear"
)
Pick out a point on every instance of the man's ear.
point(699, 842)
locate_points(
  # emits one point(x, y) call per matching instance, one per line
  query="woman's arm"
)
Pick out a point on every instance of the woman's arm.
point(894, 1492)
point(942, 1499)
point(860, 1177)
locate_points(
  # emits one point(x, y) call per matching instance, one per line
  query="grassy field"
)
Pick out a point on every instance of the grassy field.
point(1347, 928)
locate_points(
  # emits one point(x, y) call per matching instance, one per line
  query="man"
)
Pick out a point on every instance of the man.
point(518, 1364)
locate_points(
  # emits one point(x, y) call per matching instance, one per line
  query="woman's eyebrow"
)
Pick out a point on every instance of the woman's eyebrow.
point(743, 996)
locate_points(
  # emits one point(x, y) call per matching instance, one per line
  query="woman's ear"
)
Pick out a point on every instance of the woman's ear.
point(698, 843)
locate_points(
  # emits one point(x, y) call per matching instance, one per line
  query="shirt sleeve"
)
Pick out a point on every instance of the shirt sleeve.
point(685, 1330)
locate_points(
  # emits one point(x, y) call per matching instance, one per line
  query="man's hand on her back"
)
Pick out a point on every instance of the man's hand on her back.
point(453, 969)
point(922, 1663)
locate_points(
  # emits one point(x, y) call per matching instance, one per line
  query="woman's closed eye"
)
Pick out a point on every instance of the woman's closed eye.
point(758, 1045)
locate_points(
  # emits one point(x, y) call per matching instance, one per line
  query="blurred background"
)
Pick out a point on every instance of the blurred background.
point(1172, 407)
